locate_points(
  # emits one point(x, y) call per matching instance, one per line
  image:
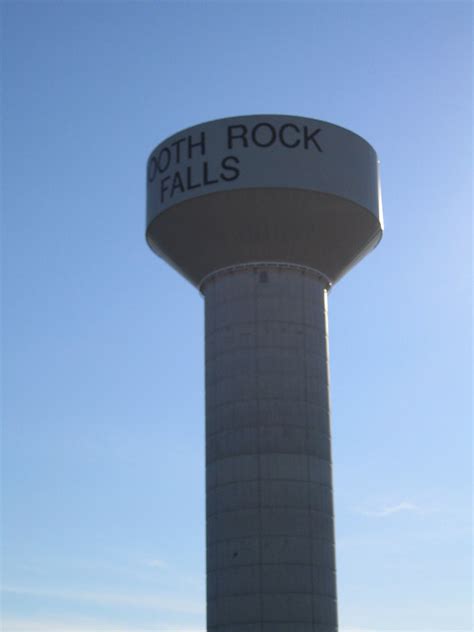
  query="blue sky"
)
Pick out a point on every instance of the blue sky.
point(103, 372)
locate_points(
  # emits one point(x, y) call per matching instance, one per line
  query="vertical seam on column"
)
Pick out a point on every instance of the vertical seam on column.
point(331, 489)
point(259, 445)
point(308, 457)
point(209, 324)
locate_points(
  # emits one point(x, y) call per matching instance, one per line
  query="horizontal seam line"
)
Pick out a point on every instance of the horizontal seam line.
point(279, 593)
point(260, 398)
point(262, 321)
point(279, 508)
point(257, 565)
point(272, 480)
point(296, 592)
point(257, 507)
point(274, 535)
point(264, 427)
point(299, 454)
point(306, 453)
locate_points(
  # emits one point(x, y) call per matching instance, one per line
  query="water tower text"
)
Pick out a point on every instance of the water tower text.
point(170, 163)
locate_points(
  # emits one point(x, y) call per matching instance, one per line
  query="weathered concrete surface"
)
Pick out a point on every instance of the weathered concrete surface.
point(270, 528)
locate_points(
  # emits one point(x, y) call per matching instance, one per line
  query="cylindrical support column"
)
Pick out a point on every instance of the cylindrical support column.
point(270, 526)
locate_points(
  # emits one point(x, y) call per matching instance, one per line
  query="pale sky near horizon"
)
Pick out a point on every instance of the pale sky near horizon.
point(103, 367)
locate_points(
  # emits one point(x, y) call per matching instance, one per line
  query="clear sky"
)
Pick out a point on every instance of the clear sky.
point(103, 508)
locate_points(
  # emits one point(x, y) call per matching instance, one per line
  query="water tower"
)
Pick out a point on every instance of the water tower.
point(263, 214)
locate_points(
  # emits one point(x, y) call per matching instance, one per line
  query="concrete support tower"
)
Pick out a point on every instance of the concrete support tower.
point(263, 214)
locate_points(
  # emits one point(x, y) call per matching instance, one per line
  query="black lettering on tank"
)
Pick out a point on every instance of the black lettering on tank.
point(164, 164)
point(284, 139)
point(226, 165)
point(163, 187)
point(206, 179)
point(177, 184)
point(152, 169)
point(236, 132)
point(311, 137)
point(201, 143)
point(177, 145)
point(270, 140)
point(189, 180)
